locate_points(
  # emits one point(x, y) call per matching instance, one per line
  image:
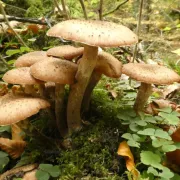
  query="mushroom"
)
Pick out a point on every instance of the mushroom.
point(148, 74)
point(22, 76)
point(60, 72)
point(66, 52)
point(30, 58)
point(107, 65)
point(92, 34)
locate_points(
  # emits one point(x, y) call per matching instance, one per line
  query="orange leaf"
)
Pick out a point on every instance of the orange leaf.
point(12, 147)
point(125, 151)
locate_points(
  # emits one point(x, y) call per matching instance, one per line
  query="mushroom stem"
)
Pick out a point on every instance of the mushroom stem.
point(95, 77)
point(85, 69)
point(144, 92)
point(29, 89)
point(59, 109)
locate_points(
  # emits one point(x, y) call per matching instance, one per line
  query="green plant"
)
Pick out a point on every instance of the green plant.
point(4, 160)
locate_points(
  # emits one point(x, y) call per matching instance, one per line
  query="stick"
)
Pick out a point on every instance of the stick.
point(64, 9)
point(115, 9)
point(57, 5)
point(13, 18)
point(138, 29)
point(84, 9)
point(4, 14)
point(101, 10)
point(4, 62)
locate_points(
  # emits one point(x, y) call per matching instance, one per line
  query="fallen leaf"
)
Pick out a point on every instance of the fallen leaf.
point(3, 89)
point(30, 175)
point(125, 151)
point(170, 90)
point(12, 147)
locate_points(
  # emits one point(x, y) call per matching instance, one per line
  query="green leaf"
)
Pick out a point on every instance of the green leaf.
point(147, 132)
point(12, 52)
point(45, 167)
point(42, 175)
point(167, 28)
point(171, 118)
point(178, 25)
point(134, 127)
point(24, 49)
point(166, 173)
point(177, 51)
point(152, 171)
point(54, 171)
point(162, 134)
point(3, 154)
point(157, 142)
point(5, 128)
point(149, 158)
point(168, 148)
point(127, 136)
point(3, 162)
point(141, 123)
point(133, 143)
point(167, 110)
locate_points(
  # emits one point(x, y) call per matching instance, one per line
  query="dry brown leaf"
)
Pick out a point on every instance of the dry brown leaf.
point(3, 89)
point(170, 90)
point(12, 147)
point(125, 151)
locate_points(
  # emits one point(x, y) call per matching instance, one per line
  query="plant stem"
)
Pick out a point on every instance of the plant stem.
point(83, 8)
point(101, 10)
point(7, 21)
point(64, 9)
point(57, 5)
point(138, 29)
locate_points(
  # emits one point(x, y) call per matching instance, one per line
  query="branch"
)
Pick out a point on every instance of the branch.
point(101, 10)
point(4, 14)
point(115, 9)
point(64, 9)
point(138, 28)
point(13, 18)
point(57, 5)
point(84, 9)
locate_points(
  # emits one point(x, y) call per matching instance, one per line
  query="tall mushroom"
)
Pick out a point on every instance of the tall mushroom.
point(92, 34)
point(107, 65)
point(148, 74)
point(60, 72)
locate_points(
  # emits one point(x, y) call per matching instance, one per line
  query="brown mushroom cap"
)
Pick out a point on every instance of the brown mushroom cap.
point(66, 52)
point(30, 58)
point(108, 65)
point(30, 175)
point(150, 74)
point(20, 76)
point(94, 33)
point(16, 108)
point(55, 70)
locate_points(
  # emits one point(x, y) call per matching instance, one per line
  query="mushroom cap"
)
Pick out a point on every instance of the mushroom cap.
point(150, 74)
point(55, 70)
point(20, 76)
point(30, 58)
point(16, 108)
point(30, 175)
point(94, 33)
point(66, 52)
point(108, 65)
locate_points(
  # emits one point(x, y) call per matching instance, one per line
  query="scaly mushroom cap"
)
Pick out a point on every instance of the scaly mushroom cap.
point(55, 70)
point(16, 108)
point(150, 74)
point(108, 65)
point(66, 52)
point(94, 33)
point(30, 58)
point(20, 76)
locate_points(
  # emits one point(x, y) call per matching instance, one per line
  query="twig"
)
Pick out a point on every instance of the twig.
point(64, 9)
point(57, 5)
point(115, 9)
point(4, 14)
point(84, 9)
point(21, 9)
point(101, 10)
point(13, 18)
point(138, 28)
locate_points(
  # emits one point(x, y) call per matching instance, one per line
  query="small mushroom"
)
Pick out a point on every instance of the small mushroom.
point(92, 34)
point(22, 76)
point(148, 74)
point(60, 72)
point(30, 58)
point(65, 52)
point(107, 65)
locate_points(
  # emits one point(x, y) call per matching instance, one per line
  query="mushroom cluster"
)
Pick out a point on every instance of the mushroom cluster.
point(80, 67)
